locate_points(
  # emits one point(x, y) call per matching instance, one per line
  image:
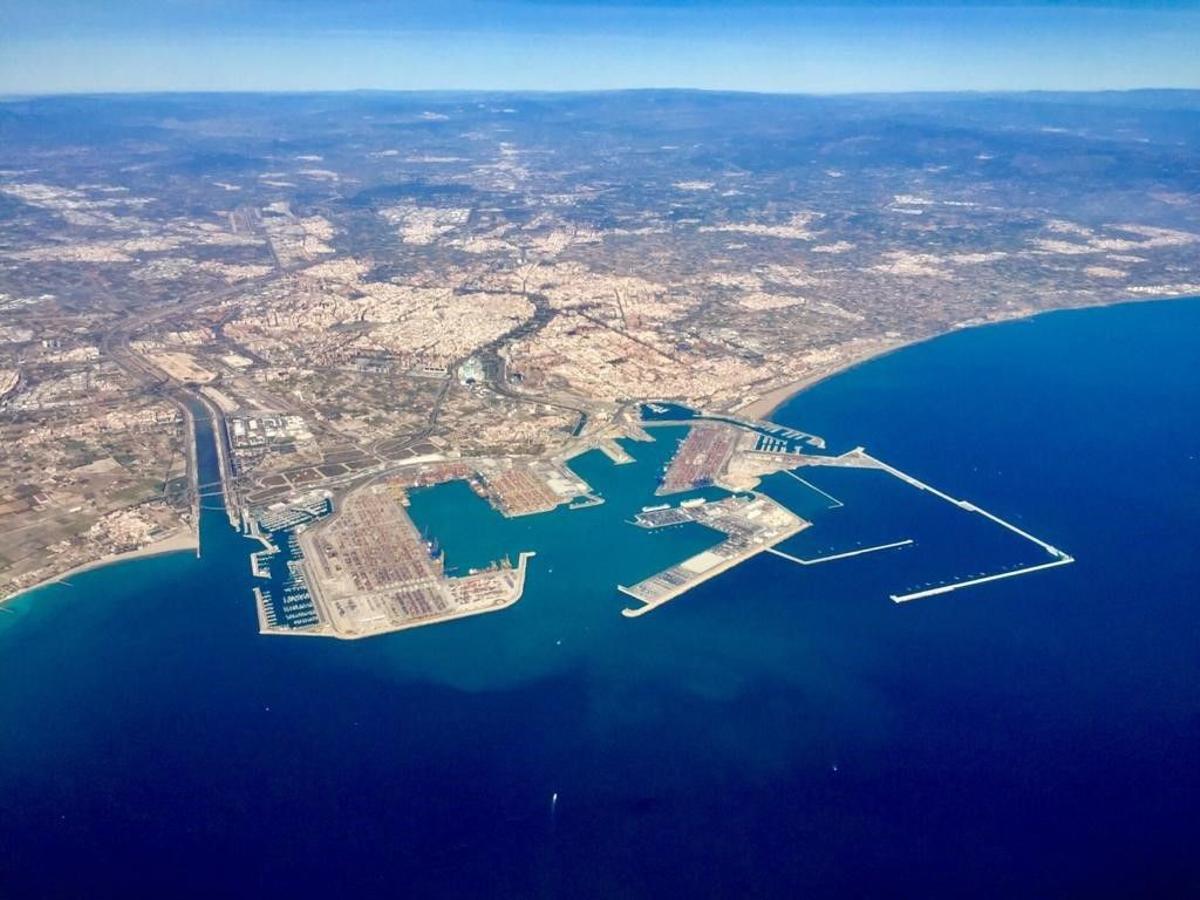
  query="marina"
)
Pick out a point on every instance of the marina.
point(300, 511)
point(287, 606)
point(779, 438)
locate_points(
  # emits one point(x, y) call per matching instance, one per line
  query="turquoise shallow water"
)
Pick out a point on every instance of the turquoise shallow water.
point(778, 730)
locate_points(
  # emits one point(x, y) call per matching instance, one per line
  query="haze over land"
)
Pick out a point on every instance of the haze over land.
point(358, 280)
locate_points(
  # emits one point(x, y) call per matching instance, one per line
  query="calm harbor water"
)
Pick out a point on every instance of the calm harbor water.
point(778, 731)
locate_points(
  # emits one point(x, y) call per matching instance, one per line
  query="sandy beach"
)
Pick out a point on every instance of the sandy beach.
point(186, 539)
point(762, 407)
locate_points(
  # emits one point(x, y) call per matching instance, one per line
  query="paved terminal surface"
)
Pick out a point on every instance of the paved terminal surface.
point(750, 525)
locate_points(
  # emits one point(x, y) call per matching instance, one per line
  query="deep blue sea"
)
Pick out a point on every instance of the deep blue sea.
point(781, 731)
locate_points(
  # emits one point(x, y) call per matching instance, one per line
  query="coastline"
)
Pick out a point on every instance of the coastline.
point(186, 539)
point(764, 407)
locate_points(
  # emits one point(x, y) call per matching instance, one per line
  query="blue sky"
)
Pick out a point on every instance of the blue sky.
point(769, 45)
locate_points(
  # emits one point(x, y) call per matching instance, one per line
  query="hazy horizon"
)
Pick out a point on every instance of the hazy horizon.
point(871, 46)
point(583, 92)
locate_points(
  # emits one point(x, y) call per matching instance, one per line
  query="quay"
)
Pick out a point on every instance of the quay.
point(750, 525)
point(369, 570)
point(467, 599)
point(639, 592)
point(614, 451)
